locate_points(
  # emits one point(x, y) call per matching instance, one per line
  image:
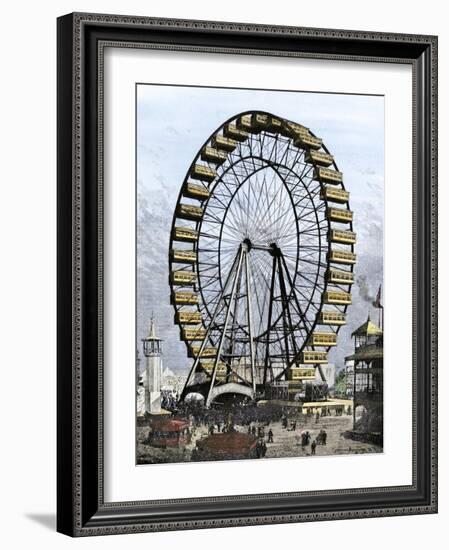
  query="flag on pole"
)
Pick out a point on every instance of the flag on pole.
point(376, 302)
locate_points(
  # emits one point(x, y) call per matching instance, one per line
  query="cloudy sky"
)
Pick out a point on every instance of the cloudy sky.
point(172, 124)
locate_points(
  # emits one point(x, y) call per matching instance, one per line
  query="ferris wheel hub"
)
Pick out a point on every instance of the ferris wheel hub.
point(275, 250)
point(247, 244)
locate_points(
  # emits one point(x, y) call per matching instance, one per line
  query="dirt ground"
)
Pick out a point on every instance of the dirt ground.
point(286, 442)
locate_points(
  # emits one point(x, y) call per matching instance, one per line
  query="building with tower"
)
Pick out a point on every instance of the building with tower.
point(349, 377)
point(367, 381)
point(152, 350)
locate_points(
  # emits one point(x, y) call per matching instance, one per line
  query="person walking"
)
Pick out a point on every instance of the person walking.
point(270, 436)
point(260, 448)
point(324, 437)
point(313, 447)
point(319, 438)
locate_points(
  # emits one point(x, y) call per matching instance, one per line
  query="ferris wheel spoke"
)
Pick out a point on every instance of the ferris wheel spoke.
point(286, 218)
point(309, 280)
point(262, 272)
point(304, 179)
point(270, 151)
point(206, 250)
point(289, 240)
point(258, 208)
point(259, 308)
point(251, 151)
point(262, 143)
point(316, 264)
point(292, 285)
point(268, 208)
point(228, 247)
point(210, 287)
point(317, 207)
point(236, 176)
point(306, 256)
point(230, 227)
point(286, 152)
point(310, 197)
point(307, 213)
point(261, 296)
point(314, 209)
point(282, 215)
point(217, 197)
point(297, 153)
point(285, 224)
point(262, 300)
point(306, 170)
point(306, 224)
point(239, 214)
point(274, 149)
point(203, 271)
point(264, 217)
point(248, 172)
point(248, 194)
point(210, 214)
point(209, 236)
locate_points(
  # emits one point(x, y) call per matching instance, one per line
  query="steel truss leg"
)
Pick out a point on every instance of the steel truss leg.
point(320, 369)
point(284, 306)
point(209, 328)
point(286, 314)
point(250, 322)
point(234, 328)
point(270, 313)
point(223, 334)
point(290, 282)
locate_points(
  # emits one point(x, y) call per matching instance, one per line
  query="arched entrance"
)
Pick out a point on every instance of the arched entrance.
point(230, 392)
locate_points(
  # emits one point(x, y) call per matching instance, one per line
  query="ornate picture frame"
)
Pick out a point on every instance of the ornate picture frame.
point(82, 509)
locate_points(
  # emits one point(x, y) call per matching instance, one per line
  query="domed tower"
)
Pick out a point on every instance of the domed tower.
point(152, 349)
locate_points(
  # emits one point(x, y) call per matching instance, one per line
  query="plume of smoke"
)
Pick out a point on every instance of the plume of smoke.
point(364, 289)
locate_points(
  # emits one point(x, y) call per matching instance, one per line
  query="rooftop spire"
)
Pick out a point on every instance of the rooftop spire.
point(151, 334)
point(152, 328)
point(367, 329)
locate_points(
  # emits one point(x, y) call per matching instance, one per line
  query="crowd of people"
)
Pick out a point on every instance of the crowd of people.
point(263, 431)
point(255, 421)
point(169, 400)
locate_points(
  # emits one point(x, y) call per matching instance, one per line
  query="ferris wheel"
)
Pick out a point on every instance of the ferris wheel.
point(261, 257)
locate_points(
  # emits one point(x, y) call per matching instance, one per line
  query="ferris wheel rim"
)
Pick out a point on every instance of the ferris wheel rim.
point(271, 165)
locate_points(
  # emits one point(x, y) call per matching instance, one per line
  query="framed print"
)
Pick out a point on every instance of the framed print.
point(246, 274)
